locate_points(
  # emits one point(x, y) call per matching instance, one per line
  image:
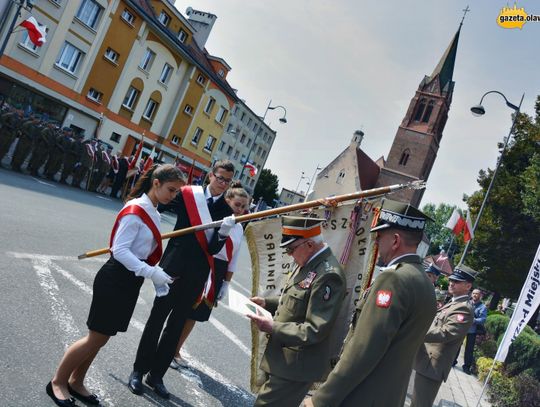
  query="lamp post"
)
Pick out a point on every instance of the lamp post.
point(310, 183)
point(479, 110)
point(299, 181)
point(282, 119)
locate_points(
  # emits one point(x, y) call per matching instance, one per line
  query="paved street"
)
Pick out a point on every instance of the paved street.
point(45, 295)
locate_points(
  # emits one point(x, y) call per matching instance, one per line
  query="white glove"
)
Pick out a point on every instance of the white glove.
point(226, 226)
point(161, 290)
point(223, 291)
point(159, 277)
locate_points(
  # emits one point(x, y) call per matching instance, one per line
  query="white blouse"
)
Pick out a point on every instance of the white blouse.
point(133, 239)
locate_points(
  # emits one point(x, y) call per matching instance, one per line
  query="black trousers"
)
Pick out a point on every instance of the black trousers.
point(468, 357)
point(156, 348)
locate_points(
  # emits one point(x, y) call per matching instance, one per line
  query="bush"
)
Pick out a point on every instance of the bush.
point(496, 325)
point(528, 389)
point(503, 392)
point(487, 348)
point(524, 354)
point(483, 365)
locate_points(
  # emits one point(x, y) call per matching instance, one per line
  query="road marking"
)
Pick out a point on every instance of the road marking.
point(43, 182)
point(229, 334)
point(103, 197)
point(241, 287)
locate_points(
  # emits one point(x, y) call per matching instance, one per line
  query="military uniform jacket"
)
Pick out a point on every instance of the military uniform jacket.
point(389, 326)
point(443, 339)
point(299, 348)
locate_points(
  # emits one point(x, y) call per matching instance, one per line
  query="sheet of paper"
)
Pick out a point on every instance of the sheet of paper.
point(241, 304)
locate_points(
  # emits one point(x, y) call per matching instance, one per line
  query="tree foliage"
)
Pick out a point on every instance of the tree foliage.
point(440, 236)
point(267, 187)
point(506, 239)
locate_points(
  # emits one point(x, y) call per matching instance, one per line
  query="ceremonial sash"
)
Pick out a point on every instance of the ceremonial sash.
point(115, 164)
point(90, 150)
point(198, 213)
point(154, 257)
point(106, 157)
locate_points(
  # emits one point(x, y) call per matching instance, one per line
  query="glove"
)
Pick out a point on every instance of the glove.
point(161, 290)
point(226, 226)
point(159, 277)
point(224, 290)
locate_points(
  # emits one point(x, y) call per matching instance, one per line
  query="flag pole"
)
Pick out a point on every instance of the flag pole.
point(329, 201)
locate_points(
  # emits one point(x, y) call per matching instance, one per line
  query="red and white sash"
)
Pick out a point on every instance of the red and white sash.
point(115, 164)
point(134, 209)
point(106, 157)
point(198, 213)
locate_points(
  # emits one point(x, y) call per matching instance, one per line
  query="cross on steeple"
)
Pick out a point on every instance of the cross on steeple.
point(465, 11)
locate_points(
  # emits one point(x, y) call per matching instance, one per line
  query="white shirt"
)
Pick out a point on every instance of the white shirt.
point(207, 195)
point(454, 299)
point(133, 239)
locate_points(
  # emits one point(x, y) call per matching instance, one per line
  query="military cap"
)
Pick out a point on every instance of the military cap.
point(299, 227)
point(400, 215)
point(433, 269)
point(463, 273)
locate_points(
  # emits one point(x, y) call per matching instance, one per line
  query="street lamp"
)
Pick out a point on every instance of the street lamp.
point(479, 110)
point(299, 181)
point(281, 119)
point(310, 183)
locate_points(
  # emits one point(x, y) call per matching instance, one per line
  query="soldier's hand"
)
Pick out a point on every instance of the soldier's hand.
point(308, 402)
point(264, 324)
point(259, 301)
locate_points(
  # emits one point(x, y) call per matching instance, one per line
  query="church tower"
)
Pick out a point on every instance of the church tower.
point(418, 137)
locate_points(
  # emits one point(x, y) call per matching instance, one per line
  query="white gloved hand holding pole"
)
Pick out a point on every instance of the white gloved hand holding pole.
point(223, 291)
point(226, 226)
point(161, 290)
point(159, 277)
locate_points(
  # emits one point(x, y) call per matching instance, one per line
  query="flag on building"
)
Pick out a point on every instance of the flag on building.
point(36, 32)
point(252, 169)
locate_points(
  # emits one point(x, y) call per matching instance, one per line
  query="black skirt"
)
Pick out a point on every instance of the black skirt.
point(116, 290)
point(203, 311)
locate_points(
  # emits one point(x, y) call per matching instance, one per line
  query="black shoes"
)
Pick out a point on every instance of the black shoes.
point(158, 386)
point(466, 370)
point(59, 402)
point(91, 399)
point(135, 383)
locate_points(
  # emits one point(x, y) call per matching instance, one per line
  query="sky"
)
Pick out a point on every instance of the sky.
point(343, 65)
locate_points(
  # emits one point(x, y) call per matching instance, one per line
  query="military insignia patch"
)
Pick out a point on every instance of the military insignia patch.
point(460, 317)
point(306, 282)
point(384, 298)
point(327, 293)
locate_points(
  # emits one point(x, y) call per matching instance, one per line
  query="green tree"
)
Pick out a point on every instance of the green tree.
point(440, 236)
point(267, 187)
point(506, 239)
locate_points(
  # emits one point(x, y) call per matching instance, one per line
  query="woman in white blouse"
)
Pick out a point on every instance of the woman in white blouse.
point(135, 246)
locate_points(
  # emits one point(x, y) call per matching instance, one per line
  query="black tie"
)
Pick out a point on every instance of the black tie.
point(210, 202)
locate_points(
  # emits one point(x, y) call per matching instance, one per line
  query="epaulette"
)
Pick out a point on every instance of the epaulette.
point(393, 267)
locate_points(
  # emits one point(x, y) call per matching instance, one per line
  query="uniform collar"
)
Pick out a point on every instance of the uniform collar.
point(404, 258)
point(460, 298)
point(318, 257)
point(207, 194)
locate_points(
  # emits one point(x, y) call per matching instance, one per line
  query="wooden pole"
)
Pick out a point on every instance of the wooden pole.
point(284, 209)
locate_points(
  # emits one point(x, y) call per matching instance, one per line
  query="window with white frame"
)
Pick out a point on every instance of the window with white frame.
point(166, 73)
point(221, 146)
point(263, 155)
point(259, 151)
point(112, 55)
point(249, 122)
point(255, 127)
point(209, 105)
point(150, 109)
point(128, 17)
point(116, 137)
point(243, 116)
point(229, 151)
point(221, 114)
point(131, 97)
point(221, 73)
point(148, 58)
point(196, 136)
point(236, 154)
point(27, 43)
point(242, 138)
point(200, 80)
point(94, 95)
point(210, 142)
point(340, 177)
point(188, 109)
point(164, 18)
point(175, 139)
point(248, 143)
point(89, 12)
point(243, 159)
point(70, 57)
point(229, 127)
point(182, 36)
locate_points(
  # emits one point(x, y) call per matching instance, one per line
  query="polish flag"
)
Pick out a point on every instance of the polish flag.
point(135, 161)
point(36, 32)
point(149, 160)
point(252, 169)
point(456, 223)
point(468, 233)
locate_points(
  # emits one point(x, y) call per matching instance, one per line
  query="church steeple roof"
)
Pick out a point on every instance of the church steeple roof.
point(445, 67)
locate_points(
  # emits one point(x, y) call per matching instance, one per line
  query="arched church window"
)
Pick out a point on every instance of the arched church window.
point(428, 111)
point(340, 177)
point(404, 157)
point(420, 110)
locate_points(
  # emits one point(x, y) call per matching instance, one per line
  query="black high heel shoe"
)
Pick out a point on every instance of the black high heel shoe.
point(91, 399)
point(59, 402)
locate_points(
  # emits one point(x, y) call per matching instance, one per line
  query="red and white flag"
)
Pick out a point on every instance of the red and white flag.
point(456, 223)
point(252, 169)
point(36, 32)
point(149, 160)
point(468, 233)
point(135, 160)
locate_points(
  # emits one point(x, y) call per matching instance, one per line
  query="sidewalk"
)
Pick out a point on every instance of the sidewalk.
point(460, 390)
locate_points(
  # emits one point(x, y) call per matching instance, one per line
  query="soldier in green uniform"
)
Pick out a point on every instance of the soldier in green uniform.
point(56, 154)
point(443, 339)
point(85, 163)
point(9, 123)
point(93, 176)
point(103, 168)
point(43, 143)
point(27, 136)
point(390, 321)
point(298, 351)
point(70, 155)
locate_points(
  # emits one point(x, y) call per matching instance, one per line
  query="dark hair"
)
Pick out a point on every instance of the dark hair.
point(411, 237)
point(225, 164)
point(162, 172)
point(236, 190)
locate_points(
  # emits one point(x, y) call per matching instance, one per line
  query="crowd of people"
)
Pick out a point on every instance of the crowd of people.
point(397, 325)
point(43, 149)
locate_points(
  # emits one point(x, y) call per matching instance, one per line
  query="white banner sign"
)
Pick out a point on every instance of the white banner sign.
point(528, 302)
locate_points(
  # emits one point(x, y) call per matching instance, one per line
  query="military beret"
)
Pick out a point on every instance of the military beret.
point(299, 227)
point(463, 273)
point(399, 215)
